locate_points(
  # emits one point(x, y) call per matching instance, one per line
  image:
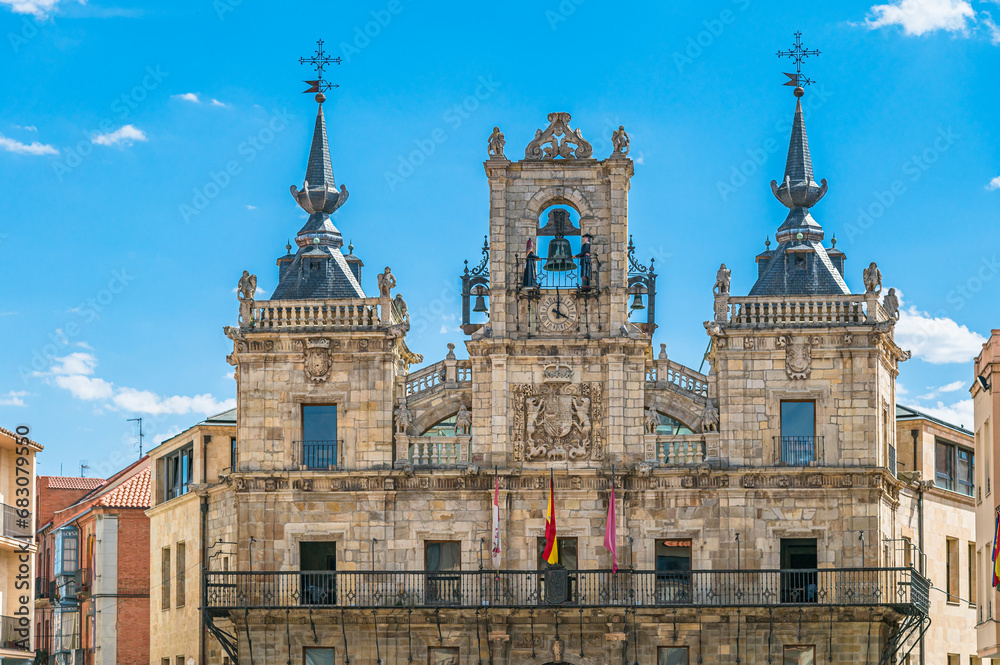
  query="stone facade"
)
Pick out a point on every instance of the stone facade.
point(986, 400)
point(562, 382)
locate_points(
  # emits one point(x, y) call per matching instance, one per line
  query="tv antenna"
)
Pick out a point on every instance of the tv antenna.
point(84, 467)
point(138, 420)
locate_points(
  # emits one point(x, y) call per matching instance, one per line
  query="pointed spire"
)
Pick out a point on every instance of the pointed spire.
point(798, 165)
point(319, 171)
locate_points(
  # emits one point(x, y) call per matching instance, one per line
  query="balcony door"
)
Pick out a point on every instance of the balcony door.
point(673, 571)
point(316, 560)
point(798, 565)
point(443, 562)
point(798, 433)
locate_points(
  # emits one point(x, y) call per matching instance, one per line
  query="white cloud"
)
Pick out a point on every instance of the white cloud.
point(144, 401)
point(13, 398)
point(188, 97)
point(259, 292)
point(937, 340)
point(953, 386)
point(918, 17)
point(250, 207)
point(39, 8)
point(85, 387)
point(230, 375)
point(960, 413)
point(216, 102)
point(991, 28)
point(994, 184)
point(33, 148)
point(28, 128)
point(75, 363)
point(123, 135)
point(163, 436)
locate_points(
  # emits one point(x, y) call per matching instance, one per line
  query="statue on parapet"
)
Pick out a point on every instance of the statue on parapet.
point(873, 279)
point(620, 140)
point(496, 143)
point(722, 280)
point(890, 303)
point(245, 291)
point(386, 282)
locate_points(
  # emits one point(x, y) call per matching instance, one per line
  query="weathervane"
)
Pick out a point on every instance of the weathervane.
point(798, 54)
point(319, 61)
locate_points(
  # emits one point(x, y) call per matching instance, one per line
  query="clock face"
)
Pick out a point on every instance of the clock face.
point(557, 313)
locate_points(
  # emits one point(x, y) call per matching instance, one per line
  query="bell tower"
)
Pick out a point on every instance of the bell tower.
point(551, 360)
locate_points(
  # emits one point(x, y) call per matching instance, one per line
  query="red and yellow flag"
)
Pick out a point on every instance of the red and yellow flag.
point(551, 551)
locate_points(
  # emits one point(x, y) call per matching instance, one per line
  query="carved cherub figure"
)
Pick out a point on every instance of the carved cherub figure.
point(496, 143)
point(873, 279)
point(722, 280)
point(386, 282)
point(620, 140)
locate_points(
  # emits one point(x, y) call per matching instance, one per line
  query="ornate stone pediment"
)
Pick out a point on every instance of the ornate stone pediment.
point(558, 421)
point(317, 359)
point(558, 140)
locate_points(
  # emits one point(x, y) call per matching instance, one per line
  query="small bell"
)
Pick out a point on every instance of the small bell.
point(560, 257)
point(480, 305)
point(637, 301)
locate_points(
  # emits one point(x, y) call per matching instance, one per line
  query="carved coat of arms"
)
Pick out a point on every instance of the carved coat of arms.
point(798, 355)
point(558, 421)
point(317, 359)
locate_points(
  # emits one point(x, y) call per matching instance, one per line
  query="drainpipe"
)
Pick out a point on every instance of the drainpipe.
point(920, 521)
point(204, 546)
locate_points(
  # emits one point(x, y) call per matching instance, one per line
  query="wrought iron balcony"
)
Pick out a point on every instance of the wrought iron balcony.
point(314, 455)
point(798, 450)
point(901, 588)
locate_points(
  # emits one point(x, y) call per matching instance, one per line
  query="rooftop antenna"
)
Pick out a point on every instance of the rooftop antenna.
point(138, 420)
point(84, 467)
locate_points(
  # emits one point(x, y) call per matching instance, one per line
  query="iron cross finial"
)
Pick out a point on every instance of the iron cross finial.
point(798, 54)
point(318, 61)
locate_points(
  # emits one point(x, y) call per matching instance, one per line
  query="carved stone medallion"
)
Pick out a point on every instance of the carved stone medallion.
point(798, 355)
point(317, 359)
point(558, 421)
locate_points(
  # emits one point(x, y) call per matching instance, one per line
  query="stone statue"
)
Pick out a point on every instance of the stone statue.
point(620, 141)
point(245, 291)
point(403, 417)
point(652, 421)
point(890, 302)
point(722, 279)
point(710, 417)
point(496, 143)
point(386, 282)
point(463, 423)
point(401, 308)
point(873, 279)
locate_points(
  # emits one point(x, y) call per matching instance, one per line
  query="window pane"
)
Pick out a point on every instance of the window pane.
point(567, 553)
point(444, 556)
point(669, 425)
point(673, 555)
point(965, 470)
point(800, 655)
point(798, 419)
point(319, 422)
point(673, 656)
point(315, 656)
point(944, 466)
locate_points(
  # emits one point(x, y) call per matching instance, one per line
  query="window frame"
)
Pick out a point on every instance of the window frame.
point(165, 568)
point(804, 445)
point(176, 472)
point(952, 571)
point(316, 451)
point(305, 651)
point(950, 477)
point(180, 576)
point(661, 649)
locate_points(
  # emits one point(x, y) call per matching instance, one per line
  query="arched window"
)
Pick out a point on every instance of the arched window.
point(557, 247)
point(444, 427)
point(671, 426)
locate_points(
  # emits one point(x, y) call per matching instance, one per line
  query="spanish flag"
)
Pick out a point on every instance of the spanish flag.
point(551, 551)
point(996, 547)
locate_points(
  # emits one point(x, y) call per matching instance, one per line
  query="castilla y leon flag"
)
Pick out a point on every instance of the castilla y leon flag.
point(496, 522)
point(611, 527)
point(996, 546)
point(551, 551)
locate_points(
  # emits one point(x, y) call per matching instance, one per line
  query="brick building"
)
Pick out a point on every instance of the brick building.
point(758, 505)
point(99, 563)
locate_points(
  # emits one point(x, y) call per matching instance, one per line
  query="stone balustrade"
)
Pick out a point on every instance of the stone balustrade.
point(666, 372)
point(676, 450)
point(798, 311)
point(448, 371)
point(330, 315)
point(432, 451)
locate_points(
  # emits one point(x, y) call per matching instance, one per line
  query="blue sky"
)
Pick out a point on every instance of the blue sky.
point(146, 153)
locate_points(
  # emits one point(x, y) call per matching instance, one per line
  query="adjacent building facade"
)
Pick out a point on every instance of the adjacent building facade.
point(17, 546)
point(97, 556)
point(937, 530)
point(758, 506)
point(187, 470)
point(986, 401)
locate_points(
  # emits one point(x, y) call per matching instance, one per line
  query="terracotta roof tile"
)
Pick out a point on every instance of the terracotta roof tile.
point(70, 483)
point(133, 493)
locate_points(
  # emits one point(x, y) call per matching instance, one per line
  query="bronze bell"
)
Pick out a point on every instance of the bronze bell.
point(480, 305)
point(637, 301)
point(560, 257)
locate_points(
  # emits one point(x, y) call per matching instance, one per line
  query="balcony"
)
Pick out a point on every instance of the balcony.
point(316, 455)
point(902, 589)
point(84, 581)
point(16, 522)
point(44, 589)
point(798, 450)
point(327, 315)
point(14, 635)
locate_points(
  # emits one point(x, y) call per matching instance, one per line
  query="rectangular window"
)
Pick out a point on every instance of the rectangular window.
point(951, 569)
point(673, 572)
point(67, 551)
point(165, 578)
point(672, 656)
point(798, 565)
point(317, 559)
point(318, 656)
point(179, 577)
point(178, 660)
point(176, 472)
point(954, 468)
point(319, 436)
point(164, 661)
point(442, 656)
point(972, 574)
point(798, 433)
point(443, 559)
point(232, 453)
point(954, 659)
point(799, 655)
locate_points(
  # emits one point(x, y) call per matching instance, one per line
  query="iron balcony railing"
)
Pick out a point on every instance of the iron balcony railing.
point(798, 450)
point(16, 522)
point(530, 273)
point(902, 588)
point(317, 454)
point(44, 588)
point(14, 634)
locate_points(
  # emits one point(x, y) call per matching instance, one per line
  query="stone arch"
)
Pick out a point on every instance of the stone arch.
point(448, 406)
point(560, 195)
point(682, 409)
